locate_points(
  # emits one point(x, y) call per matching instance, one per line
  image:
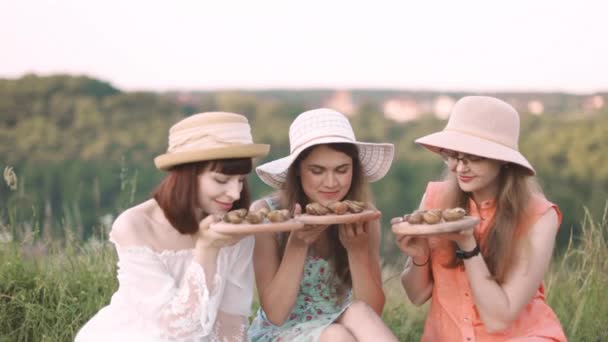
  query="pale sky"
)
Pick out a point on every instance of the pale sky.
point(435, 45)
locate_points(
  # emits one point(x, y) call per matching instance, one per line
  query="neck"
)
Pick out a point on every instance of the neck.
point(488, 193)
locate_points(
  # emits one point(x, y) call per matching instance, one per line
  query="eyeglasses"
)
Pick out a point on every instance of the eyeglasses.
point(452, 158)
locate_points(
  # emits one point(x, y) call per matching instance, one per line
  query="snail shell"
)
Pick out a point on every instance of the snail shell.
point(338, 208)
point(316, 209)
point(234, 216)
point(415, 217)
point(264, 212)
point(453, 214)
point(277, 216)
point(354, 206)
point(432, 216)
point(254, 217)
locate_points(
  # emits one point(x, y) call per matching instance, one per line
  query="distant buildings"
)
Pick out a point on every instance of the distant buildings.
point(341, 101)
point(536, 107)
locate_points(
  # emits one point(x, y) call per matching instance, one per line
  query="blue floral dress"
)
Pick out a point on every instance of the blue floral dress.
point(316, 307)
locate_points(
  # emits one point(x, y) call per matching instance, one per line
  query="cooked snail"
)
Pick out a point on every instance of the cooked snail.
point(316, 209)
point(235, 216)
point(338, 208)
point(354, 206)
point(255, 217)
point(432, 216)
point(278, 215)
point(415, 217)
point(453, 214)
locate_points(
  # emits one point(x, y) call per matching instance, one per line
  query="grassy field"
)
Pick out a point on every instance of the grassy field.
point(48, 291)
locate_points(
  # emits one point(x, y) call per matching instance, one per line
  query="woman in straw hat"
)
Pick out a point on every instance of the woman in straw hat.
point(178, 280)
point(321, 283)
point(485, 283)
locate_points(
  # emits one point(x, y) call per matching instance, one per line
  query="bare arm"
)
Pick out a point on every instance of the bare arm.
point(365, 270)
point(417, 281)
point(500, 304)
point(278, 281)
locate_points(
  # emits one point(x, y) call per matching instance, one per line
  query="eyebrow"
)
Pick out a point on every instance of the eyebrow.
point(323, 167)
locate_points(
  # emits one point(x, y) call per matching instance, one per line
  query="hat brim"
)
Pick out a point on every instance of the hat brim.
point(376, 160)
point(466, 143)
point(168, 160)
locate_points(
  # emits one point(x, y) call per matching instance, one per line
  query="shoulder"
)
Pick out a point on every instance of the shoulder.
point(541, 210)
point(259, 204)
point(132, 226)
point(433, 193)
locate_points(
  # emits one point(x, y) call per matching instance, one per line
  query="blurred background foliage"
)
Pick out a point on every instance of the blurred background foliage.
point(77, 143)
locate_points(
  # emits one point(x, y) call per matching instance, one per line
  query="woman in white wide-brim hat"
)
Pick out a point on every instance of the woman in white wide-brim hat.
point(179, 280)
point(321, 283)
point(485, 283)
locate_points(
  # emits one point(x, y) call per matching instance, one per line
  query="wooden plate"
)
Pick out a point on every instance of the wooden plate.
point(405, 228)
point(365, 215)
point(249, 228)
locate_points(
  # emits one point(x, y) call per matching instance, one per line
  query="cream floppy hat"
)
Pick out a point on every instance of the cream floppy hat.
point(483, 126)
point(326, 126)
point(207, 136)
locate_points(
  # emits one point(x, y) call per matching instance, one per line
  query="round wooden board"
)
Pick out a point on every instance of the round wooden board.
point(405, 228)
point(365, 215)
point(249, 228)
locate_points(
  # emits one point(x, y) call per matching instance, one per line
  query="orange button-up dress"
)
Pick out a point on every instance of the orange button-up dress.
point(453, 315)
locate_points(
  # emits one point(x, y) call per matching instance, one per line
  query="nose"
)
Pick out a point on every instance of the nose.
point(331, 180)
point(461, 166)
point(234, 189)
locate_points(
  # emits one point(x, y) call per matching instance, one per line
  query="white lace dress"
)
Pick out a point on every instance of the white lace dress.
point(164, 297)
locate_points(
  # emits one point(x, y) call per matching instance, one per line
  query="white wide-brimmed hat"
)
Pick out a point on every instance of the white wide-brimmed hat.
point(483, 126)
point(208, 136)
point(326, 126)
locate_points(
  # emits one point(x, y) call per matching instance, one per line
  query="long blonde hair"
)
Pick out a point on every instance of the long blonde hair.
point(293, 193)
point(498, 244)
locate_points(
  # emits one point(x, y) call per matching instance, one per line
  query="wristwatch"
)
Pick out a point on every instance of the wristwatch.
point(460, 254)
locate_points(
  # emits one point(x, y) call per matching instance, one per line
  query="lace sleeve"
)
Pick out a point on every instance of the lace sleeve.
point(165, 307)
point(192, 311)
point(229, 328)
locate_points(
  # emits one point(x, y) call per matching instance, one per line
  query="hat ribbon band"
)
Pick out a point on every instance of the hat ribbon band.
point(482, 136)
point(295, 148)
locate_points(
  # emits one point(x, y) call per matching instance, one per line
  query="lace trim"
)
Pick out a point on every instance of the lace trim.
point(145, 250)
point(191, 313)
point(237, 335)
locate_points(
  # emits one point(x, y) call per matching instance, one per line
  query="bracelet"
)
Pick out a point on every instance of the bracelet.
point(423, 264)
point(460, 254)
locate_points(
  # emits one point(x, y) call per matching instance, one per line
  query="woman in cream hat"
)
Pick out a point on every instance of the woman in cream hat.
point(178, 280)
point(321, 283)
point(486, 283)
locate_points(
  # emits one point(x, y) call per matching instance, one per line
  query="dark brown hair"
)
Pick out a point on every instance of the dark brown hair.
point(294, 193)
point(177, 194)
point(498, 244)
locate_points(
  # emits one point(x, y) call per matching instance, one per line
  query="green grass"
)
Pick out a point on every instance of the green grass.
point(48, 291)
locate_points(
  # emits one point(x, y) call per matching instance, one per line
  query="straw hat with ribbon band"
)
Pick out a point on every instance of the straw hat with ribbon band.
point(208, 136)
point(326, 126)
point(483, 126)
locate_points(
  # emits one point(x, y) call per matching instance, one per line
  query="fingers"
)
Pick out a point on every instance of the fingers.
point(396, 220)
point(297, 210)
point(207, 221)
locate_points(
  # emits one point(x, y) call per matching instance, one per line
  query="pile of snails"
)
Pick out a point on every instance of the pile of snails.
point(433, 216)
point(337, 208)
point(254, 217)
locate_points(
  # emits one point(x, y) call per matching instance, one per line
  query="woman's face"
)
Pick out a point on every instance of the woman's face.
point(475, 174)
point(326, 175)
point(217, 191)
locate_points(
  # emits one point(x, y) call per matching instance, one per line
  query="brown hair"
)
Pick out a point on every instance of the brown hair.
point(293, 193)
point(498, 244)
point(177, 194)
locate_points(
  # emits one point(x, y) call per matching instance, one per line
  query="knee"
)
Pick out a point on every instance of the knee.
point(336, 332)
point(359, 310)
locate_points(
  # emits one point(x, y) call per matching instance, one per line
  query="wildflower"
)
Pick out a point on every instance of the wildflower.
point(10, 178)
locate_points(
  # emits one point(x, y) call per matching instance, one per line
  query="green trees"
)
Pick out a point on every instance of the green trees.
point(71, 138)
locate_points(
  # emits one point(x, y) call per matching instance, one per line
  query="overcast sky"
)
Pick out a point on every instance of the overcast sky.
point(436, 45)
